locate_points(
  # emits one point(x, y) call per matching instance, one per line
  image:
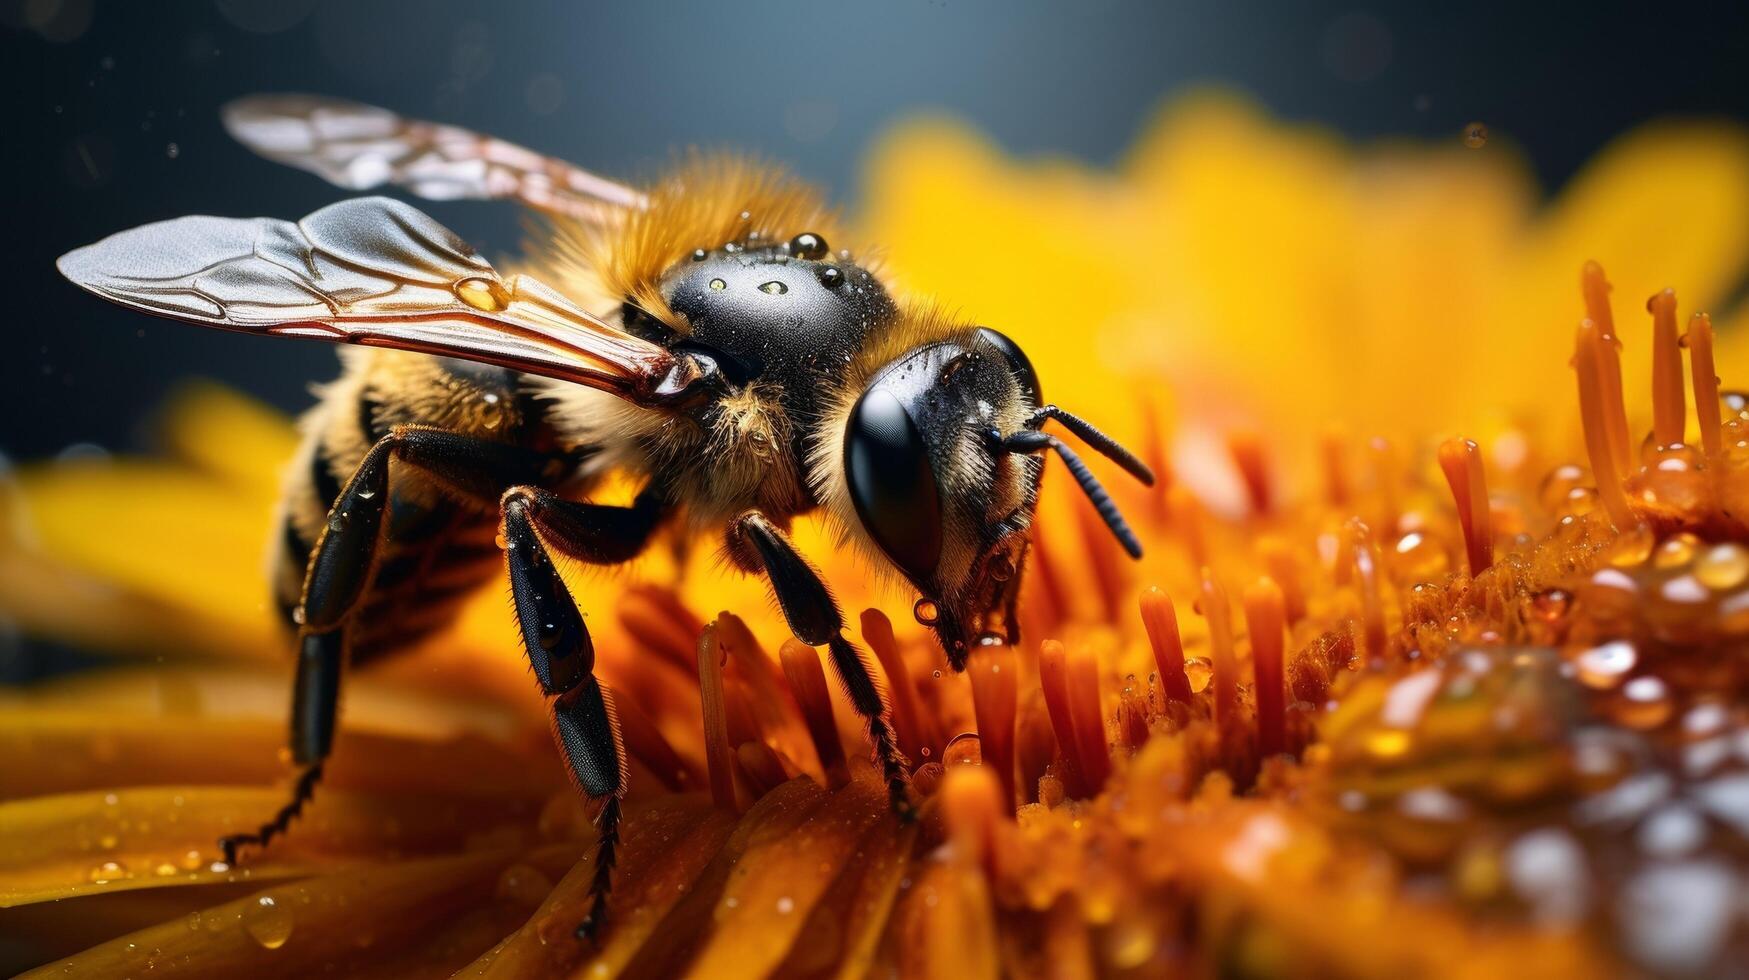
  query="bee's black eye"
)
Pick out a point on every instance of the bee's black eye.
point(892, 484)
point(1017, 362)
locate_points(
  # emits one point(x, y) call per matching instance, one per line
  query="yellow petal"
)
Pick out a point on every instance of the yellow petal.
point(58, 847)
point(368, 921)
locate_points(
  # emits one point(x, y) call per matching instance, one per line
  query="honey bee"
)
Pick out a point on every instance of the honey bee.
point(700, 335)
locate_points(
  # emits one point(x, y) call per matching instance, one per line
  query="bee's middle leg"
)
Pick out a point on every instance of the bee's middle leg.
point(813, 616)
point(561, 652)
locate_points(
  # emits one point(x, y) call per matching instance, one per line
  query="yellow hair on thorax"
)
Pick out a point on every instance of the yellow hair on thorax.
point(705, 201)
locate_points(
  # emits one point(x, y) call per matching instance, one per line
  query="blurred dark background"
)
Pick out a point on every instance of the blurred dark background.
point(111, 117)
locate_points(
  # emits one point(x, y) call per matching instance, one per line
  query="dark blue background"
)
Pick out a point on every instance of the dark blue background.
point(617, 88)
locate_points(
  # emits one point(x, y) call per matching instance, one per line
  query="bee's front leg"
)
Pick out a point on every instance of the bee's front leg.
point(813, 616)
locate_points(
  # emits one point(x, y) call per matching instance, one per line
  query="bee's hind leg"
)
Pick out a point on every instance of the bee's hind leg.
point(339, 573)
point(561, 652)
point(813, 616)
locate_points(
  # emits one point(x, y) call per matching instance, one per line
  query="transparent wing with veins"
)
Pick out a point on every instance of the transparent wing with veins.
point(377, 272)
point(360, 147)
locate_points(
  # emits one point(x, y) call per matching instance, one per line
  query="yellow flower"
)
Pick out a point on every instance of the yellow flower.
point(1365, 709)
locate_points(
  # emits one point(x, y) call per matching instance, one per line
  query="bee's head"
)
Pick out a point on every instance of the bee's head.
point(941, 466)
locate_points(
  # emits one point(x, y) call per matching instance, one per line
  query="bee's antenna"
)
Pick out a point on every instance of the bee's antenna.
point(1103, 444)
point(1031, 440)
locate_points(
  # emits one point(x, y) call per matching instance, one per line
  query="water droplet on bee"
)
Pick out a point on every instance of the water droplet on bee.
point(719, 285)
point(831, 276)
point(925, 611)
point(808, 245)
point(172, 151)
point(699, 255)
point(483, 293)
point(298, 615)
point(1475, 136)
point(267, 922)
point(733, 248)
point(773, 288)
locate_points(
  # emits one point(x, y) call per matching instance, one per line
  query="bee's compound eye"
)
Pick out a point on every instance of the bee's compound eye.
point(891, 483)
point(808, 245)
point(1017, 362)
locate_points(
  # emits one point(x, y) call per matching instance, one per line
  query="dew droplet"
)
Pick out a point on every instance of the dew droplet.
point(108, 871)
point(1199, 670)
point(1645, 703)
point(1475, 136)
point(926, 612)
point(267, 922)
point(172, 151)
point(773, 288)
point(1603, 667)
point(1723, 566)
point(719, 285)
point(964, 750)
point(1632, 547)
point(483, 293)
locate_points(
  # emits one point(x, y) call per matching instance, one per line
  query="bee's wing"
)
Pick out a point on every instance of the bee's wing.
point(371, 271)
point(359, 147)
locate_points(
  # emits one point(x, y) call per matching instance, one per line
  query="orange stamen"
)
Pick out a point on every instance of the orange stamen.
point(1053, 676)
point(1161, 621)
point(1461, 460)
point(1048, 600)
point(971, 807)
point(1387, 475)
point(1330, 452)
point(1247, 452)
point(1105, 559)
point(914, 727)
point(807, 681)
point(660, 624)
point(645, 742)
point(1706, 383)
point(1612, 408)
point(1266, 619)
point(1366, 579)
point(719, 757)
point(1225, 666)
point(1154, 454)
point(1088, 717)
point(1588, 363)
point(1188, 514)
point(995, 685)
point(759, 683)
point(761, 767)
point(1669, 415)
point(1279, 562)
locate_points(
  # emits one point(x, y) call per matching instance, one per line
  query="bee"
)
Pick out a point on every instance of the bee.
point(701, 335)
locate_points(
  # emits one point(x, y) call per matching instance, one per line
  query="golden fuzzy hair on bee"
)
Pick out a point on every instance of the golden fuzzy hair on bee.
point(706, 201)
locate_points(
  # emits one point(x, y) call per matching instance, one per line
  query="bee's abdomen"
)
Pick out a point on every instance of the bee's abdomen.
point(435, 550)
point(422, 578)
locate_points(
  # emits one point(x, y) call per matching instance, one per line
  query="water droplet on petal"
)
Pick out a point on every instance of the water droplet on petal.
point(267, 922)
